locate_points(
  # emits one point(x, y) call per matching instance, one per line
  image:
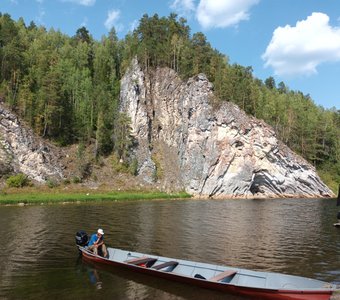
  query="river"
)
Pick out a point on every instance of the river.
point(39, 259)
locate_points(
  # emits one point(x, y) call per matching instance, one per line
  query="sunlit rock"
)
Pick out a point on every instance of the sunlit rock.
point(22, 152)
point(207, 151)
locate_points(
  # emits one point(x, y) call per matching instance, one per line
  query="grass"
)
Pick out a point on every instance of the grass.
point(36, 197)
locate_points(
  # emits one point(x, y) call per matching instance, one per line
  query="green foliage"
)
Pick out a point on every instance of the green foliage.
point(58, 84)
point(51, 183)
point(127, 166)
point(159, 171)
point(330, 174)
point(83, 165)
point(103, 135)
point(119, 165)
point(18, 181)
point(133, 167)
point(76, 179)
point(123, 139)
point(66, 181)
point(38, 198)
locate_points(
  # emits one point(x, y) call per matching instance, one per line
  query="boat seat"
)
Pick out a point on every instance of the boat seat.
point(172, 264)
point(142, 261)
point(223, 275)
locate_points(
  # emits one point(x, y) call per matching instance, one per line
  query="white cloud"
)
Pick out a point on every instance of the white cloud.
point(299, 50)
point(183, 7)
point(84, 23)
point(40, 17)
point(223, 13)
point(112, 20)
point(133, 25)
point(82, 2)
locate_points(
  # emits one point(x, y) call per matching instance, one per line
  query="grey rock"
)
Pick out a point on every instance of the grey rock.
point(215, 152)
point(22, 152)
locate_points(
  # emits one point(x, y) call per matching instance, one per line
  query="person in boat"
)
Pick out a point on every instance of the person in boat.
point(96, 243)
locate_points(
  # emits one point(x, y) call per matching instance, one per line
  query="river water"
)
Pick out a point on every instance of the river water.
point(39, 259)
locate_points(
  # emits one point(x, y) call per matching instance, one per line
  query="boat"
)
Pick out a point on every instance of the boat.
point(243, 282)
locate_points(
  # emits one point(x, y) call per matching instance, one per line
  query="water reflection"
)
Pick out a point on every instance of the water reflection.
point(23, 236)
point(293, 236)
point(94, 277)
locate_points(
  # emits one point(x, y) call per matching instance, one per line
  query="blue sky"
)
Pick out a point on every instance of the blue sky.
point(295, 41)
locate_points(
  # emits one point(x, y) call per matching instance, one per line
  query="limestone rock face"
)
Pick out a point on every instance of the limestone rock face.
point(185, 143)
point(22, 152)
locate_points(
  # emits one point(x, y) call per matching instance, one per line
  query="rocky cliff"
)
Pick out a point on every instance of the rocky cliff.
point(22, 152)
point(185, 143)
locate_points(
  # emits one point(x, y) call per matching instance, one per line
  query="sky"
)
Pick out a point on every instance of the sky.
point(294, 41)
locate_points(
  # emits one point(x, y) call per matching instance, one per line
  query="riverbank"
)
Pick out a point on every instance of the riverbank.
point(35, 196)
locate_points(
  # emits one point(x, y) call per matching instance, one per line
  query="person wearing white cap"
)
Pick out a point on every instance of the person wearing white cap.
point(97, 243)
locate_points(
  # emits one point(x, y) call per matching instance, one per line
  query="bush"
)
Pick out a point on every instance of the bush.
point(66, 181)
point(76, 180)
point(18, 181)
point(51, 183)
point(133, 167)
point(330, 175)
point(118, 165)
point(85, 169)
point(159, 172)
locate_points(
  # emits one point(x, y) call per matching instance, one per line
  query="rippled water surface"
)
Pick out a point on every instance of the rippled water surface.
point(39, 259)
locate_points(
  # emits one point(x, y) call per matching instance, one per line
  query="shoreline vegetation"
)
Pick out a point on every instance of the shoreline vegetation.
point(28, 196)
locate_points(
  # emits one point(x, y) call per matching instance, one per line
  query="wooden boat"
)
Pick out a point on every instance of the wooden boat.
point(260, 285)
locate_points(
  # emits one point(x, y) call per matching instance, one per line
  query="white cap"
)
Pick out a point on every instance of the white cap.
point(100, 231)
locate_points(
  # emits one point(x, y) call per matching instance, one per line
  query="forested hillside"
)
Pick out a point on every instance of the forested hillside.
point(67, 88)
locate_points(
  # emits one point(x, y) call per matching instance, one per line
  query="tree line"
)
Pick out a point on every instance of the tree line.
point(67, 88)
